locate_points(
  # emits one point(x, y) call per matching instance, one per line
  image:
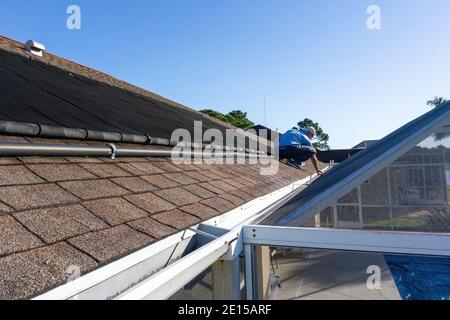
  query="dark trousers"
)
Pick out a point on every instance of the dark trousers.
point(298, 153)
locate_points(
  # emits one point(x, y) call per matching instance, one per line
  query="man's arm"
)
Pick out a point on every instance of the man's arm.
point(315, 163)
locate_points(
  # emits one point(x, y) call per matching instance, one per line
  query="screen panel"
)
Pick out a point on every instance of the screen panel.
point(411, 194)
point(311, 274)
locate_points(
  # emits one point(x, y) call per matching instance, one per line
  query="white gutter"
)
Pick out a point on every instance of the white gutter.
point(128, 274)
point(168, 281)
point(173, 278)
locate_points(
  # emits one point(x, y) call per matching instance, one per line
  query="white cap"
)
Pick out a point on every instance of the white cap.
point(310, 130)
point(35, 47)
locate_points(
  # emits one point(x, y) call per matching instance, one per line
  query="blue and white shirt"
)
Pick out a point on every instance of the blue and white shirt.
point(295, 137)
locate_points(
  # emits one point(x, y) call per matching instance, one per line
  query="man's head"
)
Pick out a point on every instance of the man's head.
point(310, 132)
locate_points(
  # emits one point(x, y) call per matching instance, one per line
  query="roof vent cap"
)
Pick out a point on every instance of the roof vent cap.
point(35, 47)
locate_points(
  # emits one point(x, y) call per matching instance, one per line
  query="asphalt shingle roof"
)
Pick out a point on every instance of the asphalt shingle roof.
point(65, 209)
point(59, 212)
point(57, 92)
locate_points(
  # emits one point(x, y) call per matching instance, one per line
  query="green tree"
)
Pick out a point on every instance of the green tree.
point(239, 119)
point(236, 118)
point(214, 114)
point(436, 102)
point(320, 141)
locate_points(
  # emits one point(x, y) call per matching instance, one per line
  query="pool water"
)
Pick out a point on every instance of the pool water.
point(420, 278)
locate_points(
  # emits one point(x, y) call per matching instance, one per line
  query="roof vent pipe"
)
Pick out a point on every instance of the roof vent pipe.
point(35, 47)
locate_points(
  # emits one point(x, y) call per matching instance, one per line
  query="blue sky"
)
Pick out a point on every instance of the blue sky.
point(310, 58)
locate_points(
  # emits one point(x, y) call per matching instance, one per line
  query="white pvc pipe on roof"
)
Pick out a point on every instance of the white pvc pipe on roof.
point(110, 150)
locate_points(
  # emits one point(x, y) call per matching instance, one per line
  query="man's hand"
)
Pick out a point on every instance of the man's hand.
point(315, 163)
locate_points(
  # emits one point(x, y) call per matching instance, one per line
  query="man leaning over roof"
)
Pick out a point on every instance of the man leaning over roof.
point(296, 147)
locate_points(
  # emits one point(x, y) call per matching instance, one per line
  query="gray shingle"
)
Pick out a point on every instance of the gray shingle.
point(211, 188)
point(106, 170)
point(35, 196)
point(222, 185)
point(197, 176)
point(199, 191)
point(219, 204)
point(60, 223)
point(28, 273)
point(178, 196)
point(233, 199)
point(134, 184)
point(112, 243)
point(42, 160)
point(61, 172)
point(151, 227)
point(94, 189)
point(180, 178)
point(16, 175)
point(177, 219)
point(150, 202)
point(200, 210)
point(115, 210)
point(160, 181)
point(167, 166)
point(146, 167)
point(14, 237)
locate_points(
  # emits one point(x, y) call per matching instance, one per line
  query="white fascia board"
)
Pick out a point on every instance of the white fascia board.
point(113, 279)
point(168, 281)
point(412, 243)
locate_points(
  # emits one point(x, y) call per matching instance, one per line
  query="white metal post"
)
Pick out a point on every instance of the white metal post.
point(360, 212)
point(411, 243)
point(248, 251)
point(226, 280)
point(391, 215)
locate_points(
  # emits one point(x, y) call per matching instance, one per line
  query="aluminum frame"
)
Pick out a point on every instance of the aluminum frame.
point(411, 243)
